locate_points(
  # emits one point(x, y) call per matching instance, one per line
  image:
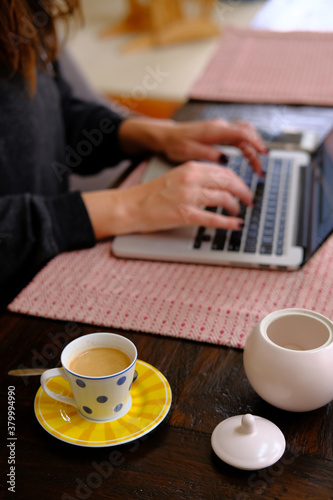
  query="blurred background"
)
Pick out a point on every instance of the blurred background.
point(145, 55)
point(117, 70)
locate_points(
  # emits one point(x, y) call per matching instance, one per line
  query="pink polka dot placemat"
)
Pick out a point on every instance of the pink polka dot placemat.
point(269, 67)
point(203, 303)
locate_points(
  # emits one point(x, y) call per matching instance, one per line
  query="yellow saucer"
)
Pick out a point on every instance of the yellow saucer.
point(151, 401)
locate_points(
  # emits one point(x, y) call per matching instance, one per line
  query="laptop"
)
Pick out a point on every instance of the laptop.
point(291, 218)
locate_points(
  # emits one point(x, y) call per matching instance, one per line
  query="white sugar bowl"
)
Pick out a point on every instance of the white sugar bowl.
point(288, 359)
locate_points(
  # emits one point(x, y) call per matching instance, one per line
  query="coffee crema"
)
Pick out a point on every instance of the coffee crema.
point(99, 362)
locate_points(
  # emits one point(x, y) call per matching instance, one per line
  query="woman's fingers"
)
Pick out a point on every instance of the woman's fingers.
point(238, 132)
point(198, 140)
point(178, 198)
point(224, 179)
point(196, 216)
point(215, 197)
point(193, 150)
point(251, 155)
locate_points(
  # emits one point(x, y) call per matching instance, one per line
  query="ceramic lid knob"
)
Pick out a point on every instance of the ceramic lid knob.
point(248, 424)
point(248, 442)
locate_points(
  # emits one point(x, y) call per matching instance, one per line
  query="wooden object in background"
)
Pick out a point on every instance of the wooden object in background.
point(154, 108)
point(163, 22)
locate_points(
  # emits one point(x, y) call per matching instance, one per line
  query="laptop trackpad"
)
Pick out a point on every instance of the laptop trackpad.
point(156, 167)
point(165, 245)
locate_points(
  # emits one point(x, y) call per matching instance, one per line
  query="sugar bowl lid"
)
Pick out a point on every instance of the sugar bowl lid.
point(248, 442)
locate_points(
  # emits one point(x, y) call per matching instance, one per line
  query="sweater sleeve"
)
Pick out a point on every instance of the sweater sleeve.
point(35, 229)
point(39, 218)
point(91, 133)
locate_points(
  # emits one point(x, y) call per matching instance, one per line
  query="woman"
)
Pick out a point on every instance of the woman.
point(46, 134)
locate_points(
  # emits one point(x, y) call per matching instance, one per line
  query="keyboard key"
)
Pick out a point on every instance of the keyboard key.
point(266, 248)
point(219, 239)
point(235, 241)
point(264, 163)
point(236, 164)
point(199, 236)
point(250, 248)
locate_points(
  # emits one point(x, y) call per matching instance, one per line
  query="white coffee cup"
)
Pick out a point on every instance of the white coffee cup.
point(288, 359)
point(96, 398)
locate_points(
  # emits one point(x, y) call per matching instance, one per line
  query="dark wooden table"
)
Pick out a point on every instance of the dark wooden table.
point(174, 461)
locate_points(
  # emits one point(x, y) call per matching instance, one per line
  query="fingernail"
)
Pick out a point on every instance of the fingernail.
point(224, 159)
point(241, 225)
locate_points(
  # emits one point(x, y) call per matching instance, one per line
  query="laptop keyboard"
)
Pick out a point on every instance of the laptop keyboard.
point(265, 223)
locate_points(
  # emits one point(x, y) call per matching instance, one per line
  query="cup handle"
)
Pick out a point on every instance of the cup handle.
point(56, 372)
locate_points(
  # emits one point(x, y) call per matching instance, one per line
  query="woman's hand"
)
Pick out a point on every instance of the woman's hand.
point(184, 141)
point(172, 200)
point(176, 198)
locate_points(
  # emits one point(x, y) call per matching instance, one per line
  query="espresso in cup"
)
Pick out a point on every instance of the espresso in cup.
point(99, 362)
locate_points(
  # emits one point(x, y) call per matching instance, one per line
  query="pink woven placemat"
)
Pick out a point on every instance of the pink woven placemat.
point(203, 303)
point(269, 67)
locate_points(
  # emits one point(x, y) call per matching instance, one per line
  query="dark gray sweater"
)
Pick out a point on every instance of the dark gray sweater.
point(43, 139)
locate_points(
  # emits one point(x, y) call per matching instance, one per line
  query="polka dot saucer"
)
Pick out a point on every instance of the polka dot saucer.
point(151, 400)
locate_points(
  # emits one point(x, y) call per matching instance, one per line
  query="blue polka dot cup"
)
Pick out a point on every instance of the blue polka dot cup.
point(96, 398)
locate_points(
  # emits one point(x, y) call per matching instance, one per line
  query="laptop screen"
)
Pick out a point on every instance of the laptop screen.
point(322, 193)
